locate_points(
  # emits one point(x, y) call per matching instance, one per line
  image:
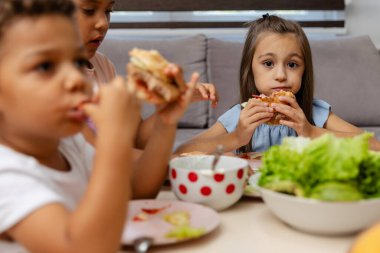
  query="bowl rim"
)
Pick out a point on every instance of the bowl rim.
point(306, 200)
point(243, 162)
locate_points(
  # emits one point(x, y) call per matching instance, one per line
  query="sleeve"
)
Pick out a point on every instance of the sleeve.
point(106, 67)
point(86, 150)
point(230, 119)
point(20, 195)
point(321, 112)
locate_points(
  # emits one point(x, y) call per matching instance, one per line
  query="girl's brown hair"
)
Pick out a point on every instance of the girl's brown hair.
point(10, 10)
point(274, 24)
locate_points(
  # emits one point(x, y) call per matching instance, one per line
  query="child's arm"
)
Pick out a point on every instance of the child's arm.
point(342, 128)
point(208, 140)
point(151, 167)
point(97, 223)
point(254, 114)
point(297, 120)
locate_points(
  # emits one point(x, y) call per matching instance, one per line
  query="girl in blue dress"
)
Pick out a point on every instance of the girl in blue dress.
point(276, 56)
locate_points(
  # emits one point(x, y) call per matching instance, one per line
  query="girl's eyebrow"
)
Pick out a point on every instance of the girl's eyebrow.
point(272, 54)
point(265, 55)
point(296, 55)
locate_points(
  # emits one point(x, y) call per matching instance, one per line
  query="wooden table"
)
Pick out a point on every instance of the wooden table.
point(249, 226)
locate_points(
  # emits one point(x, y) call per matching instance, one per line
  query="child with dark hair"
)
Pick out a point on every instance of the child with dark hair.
point(56, 193)
point(276, 57)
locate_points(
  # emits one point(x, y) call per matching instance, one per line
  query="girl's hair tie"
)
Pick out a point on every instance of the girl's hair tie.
point(266, 16)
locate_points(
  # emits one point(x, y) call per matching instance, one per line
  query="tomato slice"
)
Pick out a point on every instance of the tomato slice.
point(153, 210)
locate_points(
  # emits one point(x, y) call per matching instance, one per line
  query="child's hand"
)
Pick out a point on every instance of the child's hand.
point(202, 91)
point(296, 118)
point(205, 91)
point(253, 114)
point(115, 109)
point(171, 113)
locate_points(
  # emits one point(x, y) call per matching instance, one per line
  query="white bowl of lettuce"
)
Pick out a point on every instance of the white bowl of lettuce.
point(328, 186)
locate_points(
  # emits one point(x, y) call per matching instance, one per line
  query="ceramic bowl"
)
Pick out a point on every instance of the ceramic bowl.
point(320, 217)
point(192, 180)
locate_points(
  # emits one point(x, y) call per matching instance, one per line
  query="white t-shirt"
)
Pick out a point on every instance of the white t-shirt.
point(26, 185)
point(101, 69)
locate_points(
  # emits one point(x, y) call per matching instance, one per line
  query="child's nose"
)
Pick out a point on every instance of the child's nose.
point(76, 81)
point(102, 23)
point(280, 74)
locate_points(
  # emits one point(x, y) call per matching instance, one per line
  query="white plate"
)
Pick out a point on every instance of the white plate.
point(156, 227)
point(251, 189)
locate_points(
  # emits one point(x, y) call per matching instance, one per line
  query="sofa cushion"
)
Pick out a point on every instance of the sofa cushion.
point(223, 63)
point(189, 52)
point(347, 75)
point(346, 71)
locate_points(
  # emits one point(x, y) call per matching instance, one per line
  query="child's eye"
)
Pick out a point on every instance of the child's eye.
point(45, 67)
point(292, 65)
point(88, 11)
point(268, 64)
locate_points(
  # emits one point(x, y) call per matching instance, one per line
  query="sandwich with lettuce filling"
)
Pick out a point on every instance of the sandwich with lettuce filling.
point(273, 98)
point(146, 71)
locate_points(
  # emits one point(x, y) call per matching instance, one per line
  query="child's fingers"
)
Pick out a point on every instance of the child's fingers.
point(258, 113)
point(193, 80)
point(290, 101)
point(119, 82)
point(254, 103)
point(208, 91)
point(203, 91)
point(212, 92)
point(214, 96)
point(191, 86)
point(89, 109)
point(131, 86)
point(175, 72)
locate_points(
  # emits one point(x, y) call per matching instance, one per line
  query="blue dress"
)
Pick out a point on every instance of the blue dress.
point(266, 135)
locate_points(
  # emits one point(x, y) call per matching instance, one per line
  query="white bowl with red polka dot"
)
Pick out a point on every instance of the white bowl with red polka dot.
point(192, 180)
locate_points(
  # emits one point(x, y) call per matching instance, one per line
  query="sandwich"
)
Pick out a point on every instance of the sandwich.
point(146, 71)
point(273, 98)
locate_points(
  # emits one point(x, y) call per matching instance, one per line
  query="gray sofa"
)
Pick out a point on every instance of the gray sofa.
point(347, 75)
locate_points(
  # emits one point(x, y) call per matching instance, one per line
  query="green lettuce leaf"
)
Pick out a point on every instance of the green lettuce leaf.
point(336, 191)
point(324, 168)
point(369, 175)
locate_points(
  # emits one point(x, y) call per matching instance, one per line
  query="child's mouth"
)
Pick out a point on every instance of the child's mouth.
point(77, 114)
point(95, 43)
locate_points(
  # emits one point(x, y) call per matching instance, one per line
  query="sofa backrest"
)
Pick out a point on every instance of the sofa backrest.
point(347, 75)
point(223, 63)
point(189, 52)
point(346, 71)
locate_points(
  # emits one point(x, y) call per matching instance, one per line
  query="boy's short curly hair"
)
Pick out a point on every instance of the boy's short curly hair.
point(12, 9)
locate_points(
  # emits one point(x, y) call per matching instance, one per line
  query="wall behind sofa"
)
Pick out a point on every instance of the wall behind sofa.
point(362, 17)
